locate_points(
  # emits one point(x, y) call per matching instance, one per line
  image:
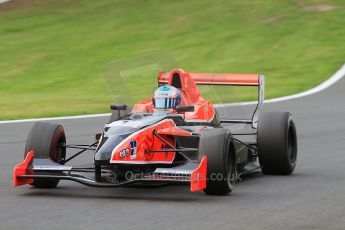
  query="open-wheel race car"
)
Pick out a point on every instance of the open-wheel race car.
point(174, 137)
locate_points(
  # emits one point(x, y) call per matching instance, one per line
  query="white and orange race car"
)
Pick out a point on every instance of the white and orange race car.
point(183, 142)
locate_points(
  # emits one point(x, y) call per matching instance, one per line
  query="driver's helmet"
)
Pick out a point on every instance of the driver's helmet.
point(166, 97)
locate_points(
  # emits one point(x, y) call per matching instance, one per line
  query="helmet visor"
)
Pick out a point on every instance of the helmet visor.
point(165, 103)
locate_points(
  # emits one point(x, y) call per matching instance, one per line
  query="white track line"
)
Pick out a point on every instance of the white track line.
point(329, 82)
point(56, 118)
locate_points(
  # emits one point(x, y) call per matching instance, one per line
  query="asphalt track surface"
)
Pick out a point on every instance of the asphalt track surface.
point(313, 197)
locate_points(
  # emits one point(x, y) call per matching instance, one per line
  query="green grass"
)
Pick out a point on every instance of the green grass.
point(53, 53)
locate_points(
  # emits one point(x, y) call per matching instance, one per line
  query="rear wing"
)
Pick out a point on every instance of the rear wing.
point(257, 80)
point(217, 79)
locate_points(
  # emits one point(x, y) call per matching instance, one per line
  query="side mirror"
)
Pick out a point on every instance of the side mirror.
point(118, 107)
point(98, 136)
point(185, 108)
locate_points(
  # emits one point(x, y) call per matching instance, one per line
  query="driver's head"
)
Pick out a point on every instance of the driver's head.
point(166, 97)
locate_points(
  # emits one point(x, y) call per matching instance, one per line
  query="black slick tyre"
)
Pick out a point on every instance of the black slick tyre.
point(217, 145)
point(46, 140)
point(277, 143)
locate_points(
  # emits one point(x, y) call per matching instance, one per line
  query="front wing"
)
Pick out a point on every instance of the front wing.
point(194, 173)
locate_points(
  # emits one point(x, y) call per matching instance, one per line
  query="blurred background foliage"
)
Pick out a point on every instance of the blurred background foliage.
point(56, 56)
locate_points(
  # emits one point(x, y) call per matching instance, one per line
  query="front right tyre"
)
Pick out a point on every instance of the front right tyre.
point(217, 145)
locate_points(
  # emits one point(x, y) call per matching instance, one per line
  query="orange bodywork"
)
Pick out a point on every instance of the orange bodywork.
point(146, 140)
point(198, 178)
point(24, 168)
point(215, 78)
point(174, 131)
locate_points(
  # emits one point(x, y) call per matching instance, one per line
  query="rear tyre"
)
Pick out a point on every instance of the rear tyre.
point(277, 143)
point(217, 145)
point(47, 141)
